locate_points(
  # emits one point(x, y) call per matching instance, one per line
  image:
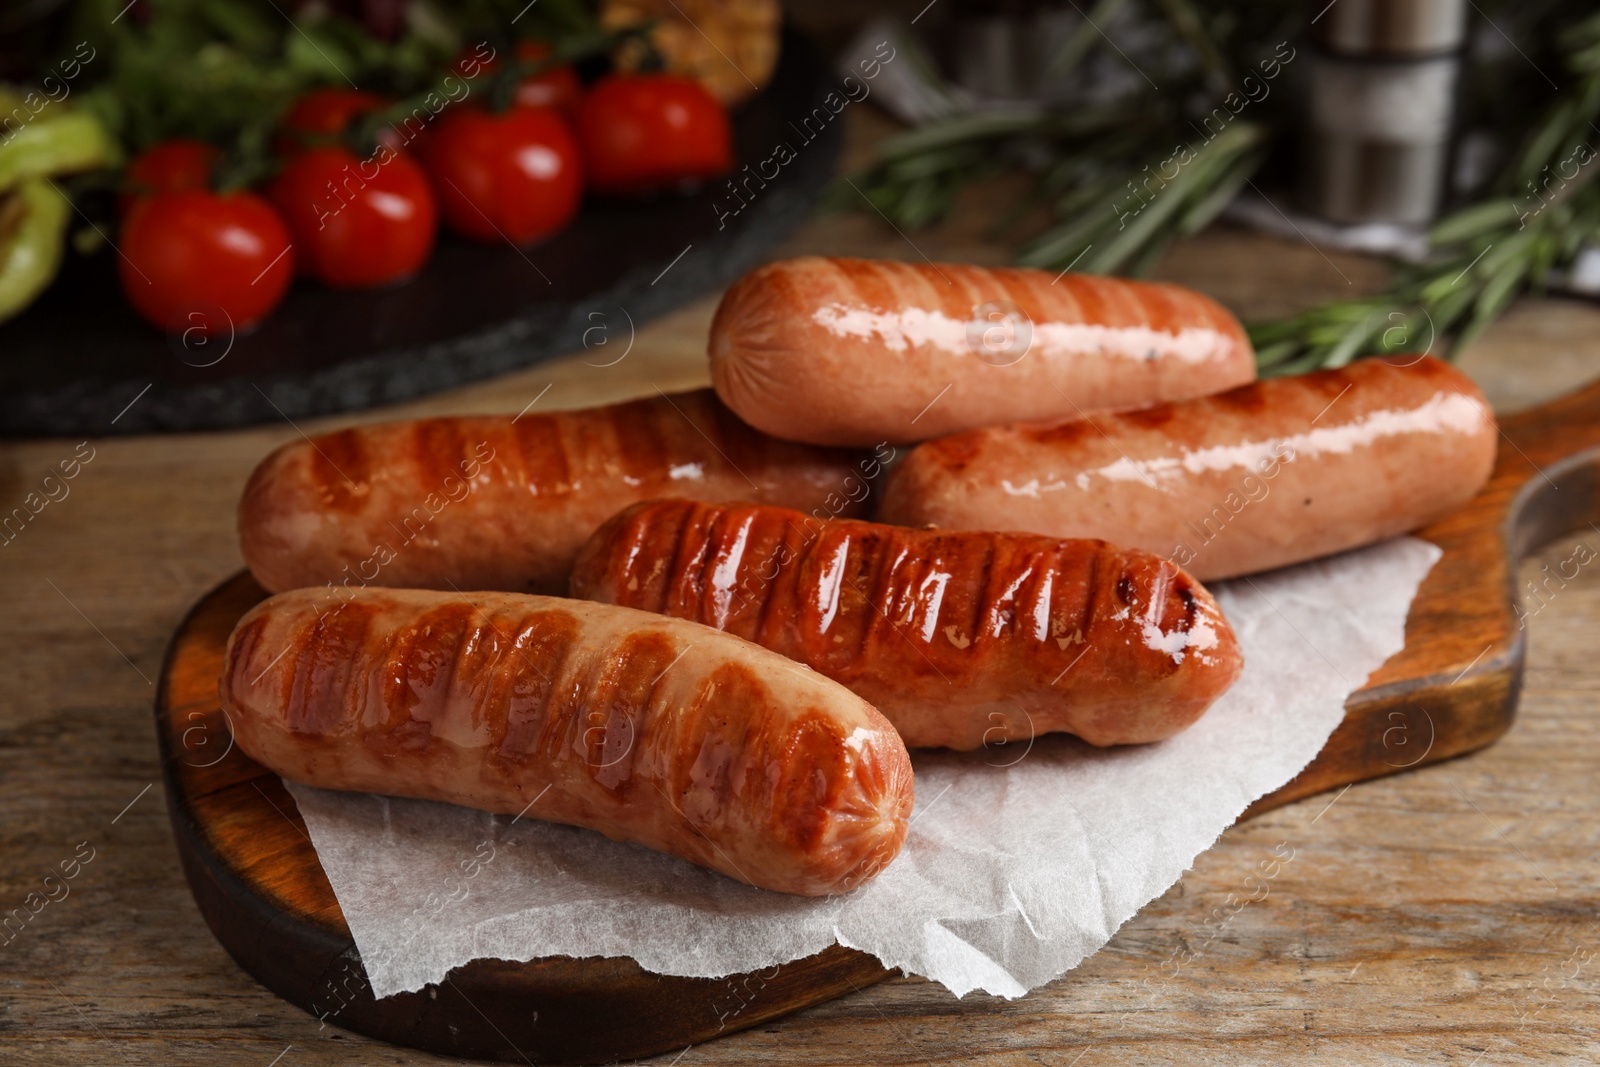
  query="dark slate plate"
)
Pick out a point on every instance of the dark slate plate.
point(80, 362)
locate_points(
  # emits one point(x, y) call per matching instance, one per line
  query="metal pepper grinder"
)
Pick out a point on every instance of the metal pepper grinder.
point(1383, 83)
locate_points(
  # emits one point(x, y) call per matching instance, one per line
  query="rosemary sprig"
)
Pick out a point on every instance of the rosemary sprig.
point(1533, 220)
point(1134, 233)
point(1123, 177)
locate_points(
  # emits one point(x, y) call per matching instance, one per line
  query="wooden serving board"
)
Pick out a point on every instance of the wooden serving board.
point(1452, 690)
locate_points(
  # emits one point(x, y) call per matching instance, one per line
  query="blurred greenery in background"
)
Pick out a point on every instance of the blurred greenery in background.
point(1093, 163)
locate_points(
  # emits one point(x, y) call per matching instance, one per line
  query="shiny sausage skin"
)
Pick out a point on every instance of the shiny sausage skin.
point(960, 639)
point(1262, 476)
point(858, 351)
point(504, 503)
point(647, 729)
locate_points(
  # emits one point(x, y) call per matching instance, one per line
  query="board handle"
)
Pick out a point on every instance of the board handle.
point(1453, 689)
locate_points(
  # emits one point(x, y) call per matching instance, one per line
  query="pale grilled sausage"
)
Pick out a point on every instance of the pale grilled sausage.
point(1259, 477)
point(502, 502)
point(647, 729)
point(959, 639)
point(858, 351)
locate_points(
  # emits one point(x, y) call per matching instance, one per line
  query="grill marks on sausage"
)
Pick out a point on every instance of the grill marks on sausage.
point(908, 601)
point(1029, 291)
point(1181, 589)
point(621, 705)
point(1067, 294)
point(1091, 589)
point(665, 583)
point(951, 453)
point(339, 470)
point(1090, 296)
point(495, 699)
point(327, 649)
point(862, 619)
point(741, 443)
point(542, 452)
point(518, 703)
point(437, 452)
point(1058, 434)
point(1188, 425)
point(1245, 400)
point(796, 774)
point(642, 440)
point(719, 763)
point(245, 660)
point(1151, 418)
point(522, 693)
point(539, 484)
point(416, 676)
point(958, 290)
point(813, 767)
point(511, 678)
point(904, 585)
point(656, 565)
point(1155, 307)
point(970, 615)
point(1181, 308)
point(872, 282)
point(759, 589)
point(636, 442)
point(968, 292)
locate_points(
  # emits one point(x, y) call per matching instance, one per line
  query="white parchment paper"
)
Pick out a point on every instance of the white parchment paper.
point(1021, 860)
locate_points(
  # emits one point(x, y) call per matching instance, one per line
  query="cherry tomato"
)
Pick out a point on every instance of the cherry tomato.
point(513, 176)
point(321, 115)
point(167, 168)
point(645, 131)
point(556, 87)
point(357, 222)
point(200, 261)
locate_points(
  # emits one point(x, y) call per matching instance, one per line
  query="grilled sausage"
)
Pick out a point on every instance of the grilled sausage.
point(1259, 477)
point(960, 639)
point(504, 503)
point(857, 351)
point(647, 729)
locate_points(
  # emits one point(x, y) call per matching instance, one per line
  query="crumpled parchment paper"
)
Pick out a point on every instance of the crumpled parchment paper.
point(1021, 860)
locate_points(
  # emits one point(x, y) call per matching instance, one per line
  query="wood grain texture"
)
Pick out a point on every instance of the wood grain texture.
point(1437, 917)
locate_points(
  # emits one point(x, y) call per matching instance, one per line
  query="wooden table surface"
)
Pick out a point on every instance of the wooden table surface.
point(1444, 916)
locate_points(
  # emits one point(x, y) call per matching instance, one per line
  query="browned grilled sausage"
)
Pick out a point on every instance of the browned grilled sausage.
point(1259, 477)
point(857, 351)
point(960, 639)
point(497, 502)
point(647, 729)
